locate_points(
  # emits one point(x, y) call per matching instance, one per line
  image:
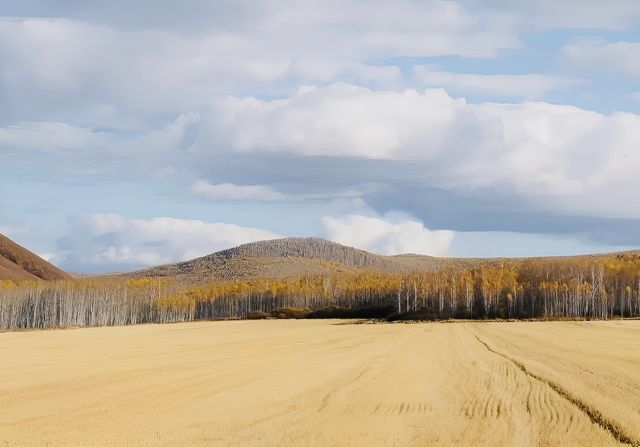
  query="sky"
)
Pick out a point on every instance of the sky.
point(135, 133)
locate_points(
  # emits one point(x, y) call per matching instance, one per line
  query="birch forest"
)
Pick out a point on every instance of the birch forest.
point(581, 288)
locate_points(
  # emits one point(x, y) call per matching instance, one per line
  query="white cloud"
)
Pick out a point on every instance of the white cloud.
point(196, 15)
point(228, 192)
point(623, 57)
point(529, 86)
point(94, 84)
point(54, 150)
point(101, 240)
point(81, 71)
point(60, 137)
point(339, 120)
point(564, 157)
point(51, 137)
point(386, 235)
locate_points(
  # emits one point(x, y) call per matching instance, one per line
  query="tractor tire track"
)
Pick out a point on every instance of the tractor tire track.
point(616, 430)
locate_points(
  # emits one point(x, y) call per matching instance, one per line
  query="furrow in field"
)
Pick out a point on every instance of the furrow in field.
point(273, 383)
point(595, 415)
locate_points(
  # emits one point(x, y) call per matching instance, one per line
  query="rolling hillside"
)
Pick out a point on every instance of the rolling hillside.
point(308, 276)
point(18, 263)
point(283, 258)
point(294, 256)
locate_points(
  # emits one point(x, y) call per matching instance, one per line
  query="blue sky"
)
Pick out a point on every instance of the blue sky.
point(138, 133)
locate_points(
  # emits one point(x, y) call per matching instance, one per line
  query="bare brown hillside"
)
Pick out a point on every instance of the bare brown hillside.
point(18, 263)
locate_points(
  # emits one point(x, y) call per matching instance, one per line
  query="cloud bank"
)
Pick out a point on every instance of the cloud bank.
point(568, 156)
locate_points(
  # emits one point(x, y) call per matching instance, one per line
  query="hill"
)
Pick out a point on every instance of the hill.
point(281, 258)
point(302, 277)
point(18, 263)
point(294, 256)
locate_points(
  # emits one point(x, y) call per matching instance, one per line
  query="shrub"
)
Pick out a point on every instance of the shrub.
point(257, 315)
point(291, 312)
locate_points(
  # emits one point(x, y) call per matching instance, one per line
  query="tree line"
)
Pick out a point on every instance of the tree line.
point(597, 288)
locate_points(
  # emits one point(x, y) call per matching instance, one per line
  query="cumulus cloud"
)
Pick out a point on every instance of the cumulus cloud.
point(228, 192)
point(99, 241)
point(86, 67)
point(529, 86)
point(389, 236)
point(565, 155)
point(340, 120)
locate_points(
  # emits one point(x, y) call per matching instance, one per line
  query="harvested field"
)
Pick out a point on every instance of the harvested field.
point(327, 382)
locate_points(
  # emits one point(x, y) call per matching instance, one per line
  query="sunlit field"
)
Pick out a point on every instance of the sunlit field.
point(323, 382)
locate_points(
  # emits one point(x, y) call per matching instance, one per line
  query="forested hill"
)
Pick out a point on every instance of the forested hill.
point(278, 258)
point(296, 256)
point(301, 247)
point(313, 277)
point(18, 263)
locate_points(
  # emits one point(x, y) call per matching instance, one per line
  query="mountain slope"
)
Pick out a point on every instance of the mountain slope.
point(17, 263)
point(277, 258)
point(295, 256)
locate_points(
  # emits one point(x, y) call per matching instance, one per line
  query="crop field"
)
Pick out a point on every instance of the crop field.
point(323, 382)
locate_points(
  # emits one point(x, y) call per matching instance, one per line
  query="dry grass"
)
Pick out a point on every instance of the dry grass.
point(597, 363)
point(18, 263)
point(310, 382)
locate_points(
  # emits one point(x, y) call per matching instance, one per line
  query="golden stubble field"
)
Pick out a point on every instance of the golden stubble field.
point(323, 383)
